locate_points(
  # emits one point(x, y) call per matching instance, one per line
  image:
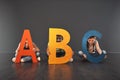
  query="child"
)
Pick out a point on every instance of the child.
point(59, 52)
point(26, 47)
point(93, 48)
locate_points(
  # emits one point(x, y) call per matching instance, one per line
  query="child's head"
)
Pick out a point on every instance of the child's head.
point(91, 39)
point(26, 44)
point(59, 38)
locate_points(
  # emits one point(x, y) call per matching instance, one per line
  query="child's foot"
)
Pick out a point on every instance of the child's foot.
point(13, 59)
point(71, 60)
point(38, 58)
point(22, 60)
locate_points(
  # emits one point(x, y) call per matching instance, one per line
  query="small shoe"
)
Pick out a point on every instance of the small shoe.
point(38, 58)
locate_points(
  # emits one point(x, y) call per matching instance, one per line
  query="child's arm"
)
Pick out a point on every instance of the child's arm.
point(98, 47)
point(17, 50)
point(35, 47)
point(48, 52)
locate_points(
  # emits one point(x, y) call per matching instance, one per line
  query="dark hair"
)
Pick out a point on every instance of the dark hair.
point(91, 37)
point(60, 36)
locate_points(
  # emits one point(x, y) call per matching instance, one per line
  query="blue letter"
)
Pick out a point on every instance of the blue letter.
point(84, 46)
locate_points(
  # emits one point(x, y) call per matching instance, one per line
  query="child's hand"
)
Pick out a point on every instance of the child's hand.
point(34, 49)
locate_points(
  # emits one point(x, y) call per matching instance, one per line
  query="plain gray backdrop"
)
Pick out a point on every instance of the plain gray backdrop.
point(75, 16)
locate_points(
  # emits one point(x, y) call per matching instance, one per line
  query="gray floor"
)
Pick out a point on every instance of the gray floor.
point(78, 70)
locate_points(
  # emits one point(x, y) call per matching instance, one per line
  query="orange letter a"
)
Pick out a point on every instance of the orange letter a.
point(22, 52)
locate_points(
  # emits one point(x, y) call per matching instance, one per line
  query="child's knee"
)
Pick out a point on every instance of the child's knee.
point(37, 53)
point(104, 52)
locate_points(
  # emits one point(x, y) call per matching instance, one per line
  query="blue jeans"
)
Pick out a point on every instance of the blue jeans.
point(28, 58)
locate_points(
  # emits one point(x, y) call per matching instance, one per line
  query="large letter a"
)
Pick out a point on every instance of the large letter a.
point(22, 52)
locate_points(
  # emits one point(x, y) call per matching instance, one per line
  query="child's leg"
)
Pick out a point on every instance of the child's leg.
point(104, 52)
point(25, 59)
point(28, 58)
point(82, 55)
point(98, 48)
point(15, 54)
point(38, 56)
point(14, 58)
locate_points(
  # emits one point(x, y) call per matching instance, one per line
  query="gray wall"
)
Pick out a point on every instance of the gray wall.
point(76, 16)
